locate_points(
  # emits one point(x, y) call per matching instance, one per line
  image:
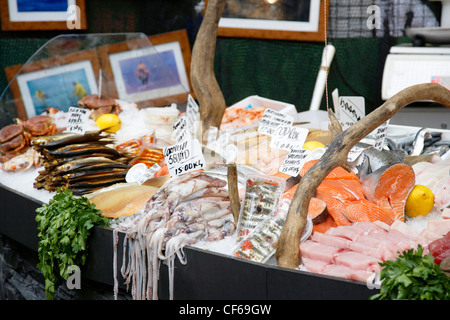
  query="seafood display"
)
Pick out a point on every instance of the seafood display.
point(260, 201)
point(183, 211)
point(355, 220)
point(15, 138)
point(81, 163)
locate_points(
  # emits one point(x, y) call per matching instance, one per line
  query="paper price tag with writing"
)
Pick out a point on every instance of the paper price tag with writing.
point(76, 120)
point(294, 161)
point(351, 110)
point(380, 135)
point(192, 112)
point(184, 157)
point(181, 129)
point(272, 119)
point(288, 137)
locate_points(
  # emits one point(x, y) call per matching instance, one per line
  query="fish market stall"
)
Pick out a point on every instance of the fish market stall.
point(190, 200)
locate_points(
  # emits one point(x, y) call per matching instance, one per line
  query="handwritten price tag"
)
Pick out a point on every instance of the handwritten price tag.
point(288, 137)
point(77, 119)
point(351, 110)
point(272, 119)
point(380, 135)
point(184, 157)
point(294, 161)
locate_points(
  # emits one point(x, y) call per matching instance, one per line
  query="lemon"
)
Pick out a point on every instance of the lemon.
point(311, 145)
point(109, 121)
point(420, 201)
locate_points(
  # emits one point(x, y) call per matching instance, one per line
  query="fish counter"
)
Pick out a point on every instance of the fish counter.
point(144, 205)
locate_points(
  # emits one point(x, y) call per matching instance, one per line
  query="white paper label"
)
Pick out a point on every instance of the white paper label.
point(192, 112)
point(380, 135)
point(148, 174)
point(294, 161)
point(288, 137)
point(212, 135)
point(351, 110)
point(184, 157)
point(181, 129)
point(272, 119)
point(77, 118)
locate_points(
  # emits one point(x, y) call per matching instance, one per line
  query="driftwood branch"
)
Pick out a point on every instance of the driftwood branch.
point(288, 252)
point(204, 83)
point(233, 191)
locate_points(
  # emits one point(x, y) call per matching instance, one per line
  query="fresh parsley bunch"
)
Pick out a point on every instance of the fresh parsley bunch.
point(64, 225)
point(413, 276)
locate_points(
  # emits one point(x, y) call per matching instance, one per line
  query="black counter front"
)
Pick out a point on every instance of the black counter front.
point(206, 275)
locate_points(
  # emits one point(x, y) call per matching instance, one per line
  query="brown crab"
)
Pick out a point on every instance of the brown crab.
point(15, 138)
point(99, 105)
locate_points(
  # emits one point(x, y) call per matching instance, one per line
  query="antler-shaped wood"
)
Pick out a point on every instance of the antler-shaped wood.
point(288, 251)
point(204, 83)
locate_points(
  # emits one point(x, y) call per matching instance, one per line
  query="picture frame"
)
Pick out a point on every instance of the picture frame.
point(41, 15)
point(304, 20)
point(58, 82)
point(121, 61)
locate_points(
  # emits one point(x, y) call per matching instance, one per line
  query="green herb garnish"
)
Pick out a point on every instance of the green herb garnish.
point(64, 225)
point(413, 276)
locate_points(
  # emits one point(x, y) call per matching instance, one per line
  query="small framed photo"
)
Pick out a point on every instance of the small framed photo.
point(301, 20)
point(19, 15)
point(57, 82)
point(149, 75)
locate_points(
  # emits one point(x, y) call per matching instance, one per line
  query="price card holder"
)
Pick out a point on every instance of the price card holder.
point(181, 129)
point(193, 114)
point(272, 119)
point(351, 110)
point(288, 137)
point(76, 120)
point(294, 161)
point(184, 157)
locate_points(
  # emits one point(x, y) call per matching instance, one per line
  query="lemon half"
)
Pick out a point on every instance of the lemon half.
point(420, 201)
point(109, 121)
point(312, 144)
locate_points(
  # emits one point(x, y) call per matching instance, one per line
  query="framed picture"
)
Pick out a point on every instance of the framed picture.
point(57, 82)
point(150, 76)
point(43, 15)
point(302, 20)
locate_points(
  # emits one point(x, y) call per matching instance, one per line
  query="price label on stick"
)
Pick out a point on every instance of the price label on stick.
point(192, 113)
point(272, 119)
point(351, 110)
point(77, 119)
point(380, 135)
point(288, 137)
point(184, 157)
point(294, 161)
point(181, 129)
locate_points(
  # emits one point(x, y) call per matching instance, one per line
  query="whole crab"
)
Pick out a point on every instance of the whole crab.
point(99, 105)
point(15, 138)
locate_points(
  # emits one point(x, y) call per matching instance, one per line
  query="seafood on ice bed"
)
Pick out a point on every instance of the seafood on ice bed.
point(165, 188)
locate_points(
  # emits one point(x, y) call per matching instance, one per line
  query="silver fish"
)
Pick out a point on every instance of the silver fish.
point(371, 159)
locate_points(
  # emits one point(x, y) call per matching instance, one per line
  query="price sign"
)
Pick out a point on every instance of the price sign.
point(184, 157)
point(272, 119)
point(181, 129)
point(351, 110)
point(288, 137)
point(294, 161)
point(192, 112)
point(380, 135)
point(77, 118)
